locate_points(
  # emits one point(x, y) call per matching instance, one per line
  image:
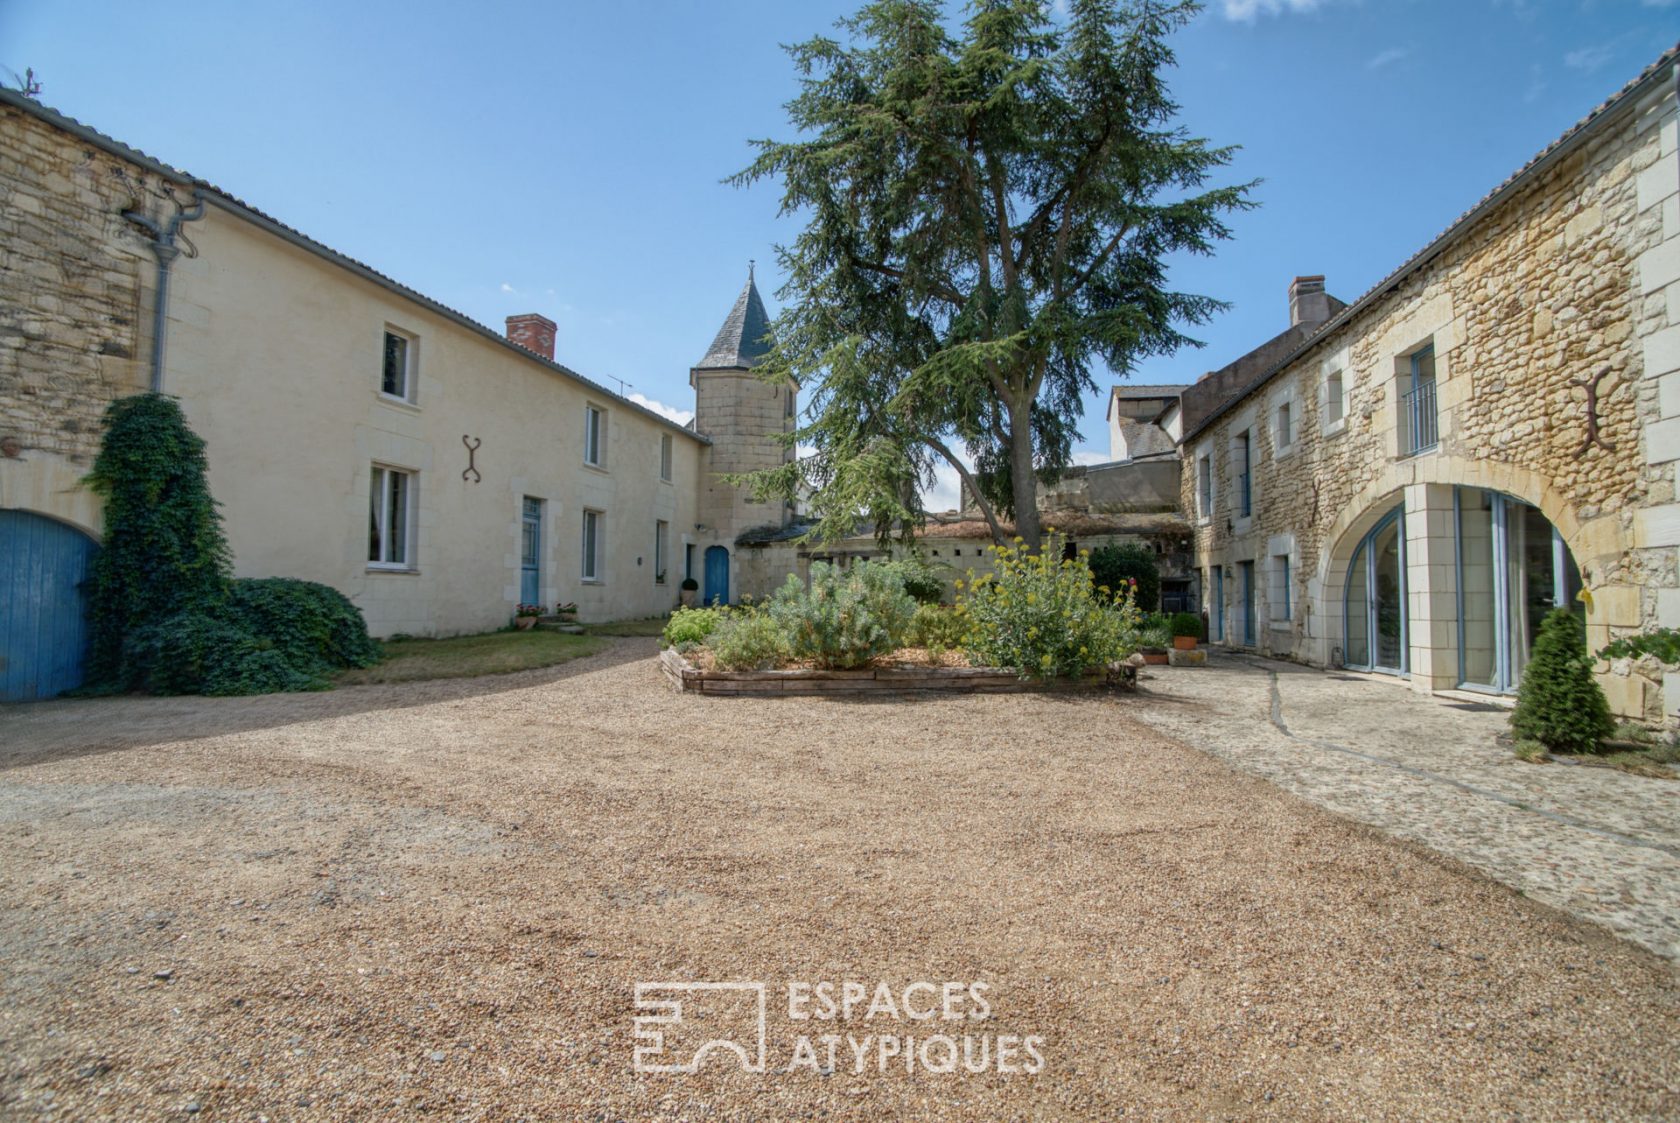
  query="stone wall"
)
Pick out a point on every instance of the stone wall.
point(1568, 281)
point(72, 309)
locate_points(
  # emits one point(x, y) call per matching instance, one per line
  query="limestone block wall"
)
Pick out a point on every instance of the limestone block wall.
point(1570, 282)
point(742, 416)
point(73, 309)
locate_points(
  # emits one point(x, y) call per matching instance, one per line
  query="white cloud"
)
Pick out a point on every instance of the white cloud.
point(946, 492)
point(680, 416)
point(509, 289)
point(1247, 11)
point(1386, 58)
point(1589, 59)
point(1089, 456)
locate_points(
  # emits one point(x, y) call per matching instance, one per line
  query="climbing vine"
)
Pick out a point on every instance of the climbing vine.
point(167, 616)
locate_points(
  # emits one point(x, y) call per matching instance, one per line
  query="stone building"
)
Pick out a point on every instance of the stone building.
point(359, 433)
point(1405, 485)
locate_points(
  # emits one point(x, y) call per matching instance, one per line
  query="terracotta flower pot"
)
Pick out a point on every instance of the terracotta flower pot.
point(1185, 643)
point(524, 623)
point(1155, 658)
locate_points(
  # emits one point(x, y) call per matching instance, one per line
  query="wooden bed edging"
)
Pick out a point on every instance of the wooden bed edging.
point(686, 677)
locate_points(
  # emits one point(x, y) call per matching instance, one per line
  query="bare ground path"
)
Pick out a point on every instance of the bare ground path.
point(393, 901)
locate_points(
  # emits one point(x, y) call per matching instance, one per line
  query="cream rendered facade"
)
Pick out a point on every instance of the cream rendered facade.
point(275, 348)
point(1547, 317)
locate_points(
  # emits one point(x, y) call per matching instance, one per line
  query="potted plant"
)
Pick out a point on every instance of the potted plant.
point(689, 592)
point(525, 616)
point(1153, 642)
point(567, 611)
point(1186, 630)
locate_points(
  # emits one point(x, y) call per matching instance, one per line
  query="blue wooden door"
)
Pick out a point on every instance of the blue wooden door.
point(717, 575)
point(530, 555)
point(43, 614)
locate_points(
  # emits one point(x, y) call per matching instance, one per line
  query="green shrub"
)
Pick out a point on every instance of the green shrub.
point(935, 627)
point(1117, 567)
point(846, 617)
point(1043, 616)
point(1186, 624)
point(920, 579)
point(309, 624)
point(692, 625)
point(747, 642)
point(163, 550)
point(166, 617)
point(1558, 703)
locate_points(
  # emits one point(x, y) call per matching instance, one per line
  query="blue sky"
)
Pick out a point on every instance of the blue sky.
point(565, 158)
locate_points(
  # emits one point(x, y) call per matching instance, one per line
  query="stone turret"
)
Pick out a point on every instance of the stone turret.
point(743, 417)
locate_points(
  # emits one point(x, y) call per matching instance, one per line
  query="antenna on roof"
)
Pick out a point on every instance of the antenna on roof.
point(750, 264)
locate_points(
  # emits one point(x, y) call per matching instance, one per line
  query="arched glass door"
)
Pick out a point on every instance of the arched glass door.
point(1513, 568)
point(1375, 604)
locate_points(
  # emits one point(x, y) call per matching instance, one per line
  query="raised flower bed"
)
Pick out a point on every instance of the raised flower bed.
point(895, 678)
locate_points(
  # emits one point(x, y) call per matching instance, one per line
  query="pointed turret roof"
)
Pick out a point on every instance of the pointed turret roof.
point(743, 341)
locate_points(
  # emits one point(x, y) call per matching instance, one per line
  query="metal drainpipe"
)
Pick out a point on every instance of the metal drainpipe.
point(166, 251)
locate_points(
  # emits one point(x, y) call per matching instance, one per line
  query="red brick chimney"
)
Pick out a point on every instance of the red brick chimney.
point(533, 332)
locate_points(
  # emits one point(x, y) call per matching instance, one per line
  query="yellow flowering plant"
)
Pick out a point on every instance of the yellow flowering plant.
point(1042, 615)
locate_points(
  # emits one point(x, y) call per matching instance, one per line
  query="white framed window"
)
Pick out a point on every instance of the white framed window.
point(665, 457)
point(594, 437)
point(1283, 426)
point(391, 495)
point(1335, 399)
point(592, 531)
point(396, 376)
point(661, 549)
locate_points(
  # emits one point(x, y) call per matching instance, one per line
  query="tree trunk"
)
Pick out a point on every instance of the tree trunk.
point(1023, 482)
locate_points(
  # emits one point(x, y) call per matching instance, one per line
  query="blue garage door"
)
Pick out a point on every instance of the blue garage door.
point(43, 618)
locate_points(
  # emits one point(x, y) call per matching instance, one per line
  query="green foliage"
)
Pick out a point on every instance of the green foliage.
point(1558, 703)
point(692, 625)
point(990, 201)
point(163, 553)
point(1119, 567)
point(921, 580)
point(166, 617)
point(1043, 616)
point(1664, 643)
point(936, 627)
point(314, 627)
point(748, 641)
point(847, 617)
point(1186, 624)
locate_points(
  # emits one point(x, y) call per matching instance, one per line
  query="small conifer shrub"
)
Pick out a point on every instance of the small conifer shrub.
point(1559, 704)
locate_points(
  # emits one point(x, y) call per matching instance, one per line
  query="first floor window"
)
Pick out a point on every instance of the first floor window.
point(1245, 481)
point(1285, 427)
point(391, 509)
point(1204, 486)
point(665, 457)
point(592, 545)
point(1335, 403)
point(661, 547)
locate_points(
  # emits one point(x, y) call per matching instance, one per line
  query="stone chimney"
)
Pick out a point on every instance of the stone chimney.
point(534, 333)
point(1308, 302)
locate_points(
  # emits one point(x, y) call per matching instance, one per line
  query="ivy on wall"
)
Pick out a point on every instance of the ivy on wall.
point(166, 615)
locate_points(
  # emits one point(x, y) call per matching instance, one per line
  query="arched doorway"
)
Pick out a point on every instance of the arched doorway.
point(717, 575)
point(43, 613)
point(1513, 568)
point(1374, 604)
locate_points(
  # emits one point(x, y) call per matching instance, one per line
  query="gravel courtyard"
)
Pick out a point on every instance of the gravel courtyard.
point(438, 898)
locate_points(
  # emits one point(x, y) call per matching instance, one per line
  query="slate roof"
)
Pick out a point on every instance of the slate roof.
point(743, 341)
point(237, 206)
point(1148, 392)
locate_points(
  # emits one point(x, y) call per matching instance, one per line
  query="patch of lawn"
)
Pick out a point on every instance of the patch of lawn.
point(493, 653)
point(651, 626)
